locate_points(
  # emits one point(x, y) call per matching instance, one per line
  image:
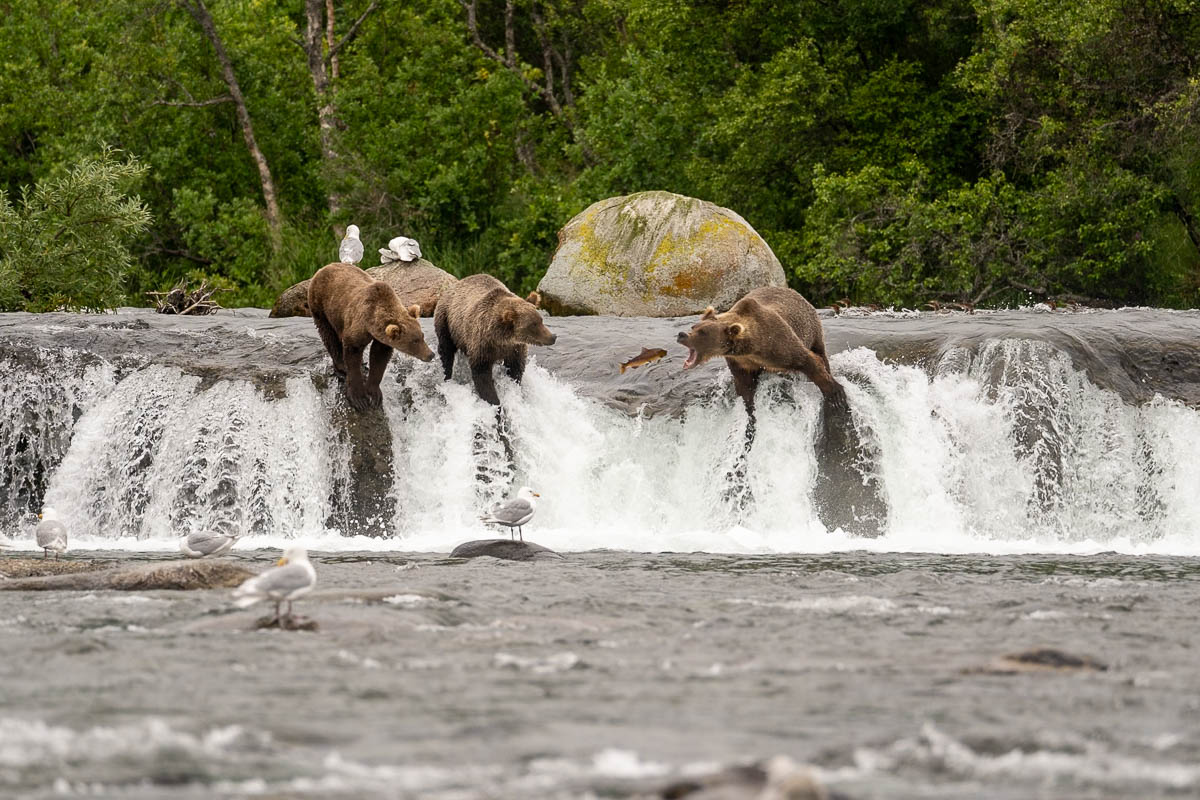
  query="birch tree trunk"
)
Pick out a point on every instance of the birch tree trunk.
point(204, 19)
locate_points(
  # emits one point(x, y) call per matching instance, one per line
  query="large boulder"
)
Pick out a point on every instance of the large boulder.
point(418, 282)
point(656, 254)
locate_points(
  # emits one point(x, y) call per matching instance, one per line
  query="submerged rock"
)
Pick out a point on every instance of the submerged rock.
point(1042, 659)
point(656, 254)
point(503, 548)
point(204, 574)
point(416, 282)
point(777, 778)
point(39, 567)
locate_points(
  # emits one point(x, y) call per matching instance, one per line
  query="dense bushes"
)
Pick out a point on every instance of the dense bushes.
point(895, 151)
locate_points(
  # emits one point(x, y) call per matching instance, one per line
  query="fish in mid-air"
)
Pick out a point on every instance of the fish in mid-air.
point(647, 356)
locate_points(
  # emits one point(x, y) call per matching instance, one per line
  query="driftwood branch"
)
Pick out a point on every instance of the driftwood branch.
point(181, 300)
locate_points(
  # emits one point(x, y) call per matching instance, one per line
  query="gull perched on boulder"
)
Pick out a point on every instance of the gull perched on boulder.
point(292, 576)
point(514, 513)
point(401, 248)
point(199, 544)
point(51, 534)
point(351, 249)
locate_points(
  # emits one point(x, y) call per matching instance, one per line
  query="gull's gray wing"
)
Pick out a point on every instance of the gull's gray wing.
point(208, 542)
point(284, 581)
point(50, 531)
point(512, 512)
point(351, 250)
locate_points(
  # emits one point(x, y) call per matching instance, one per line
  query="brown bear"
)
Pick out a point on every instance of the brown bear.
point(351, 310)
point(772, 328)
point(481, 317)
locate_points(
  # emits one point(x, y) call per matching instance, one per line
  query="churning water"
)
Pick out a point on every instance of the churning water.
point(1003, 445)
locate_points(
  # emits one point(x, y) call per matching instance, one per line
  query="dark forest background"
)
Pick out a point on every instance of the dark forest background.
point(991, 152)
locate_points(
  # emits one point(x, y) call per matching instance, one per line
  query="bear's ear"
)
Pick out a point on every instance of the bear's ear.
point(415, 311)
point(392, 331)
point(709, 313)
point(534, 299)
point(508, 315)
point(735, 329)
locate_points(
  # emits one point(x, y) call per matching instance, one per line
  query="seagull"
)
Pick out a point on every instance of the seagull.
point(290, 578)
point(514, 513)
point(351, 249)
point(401, 248)
point(51, 534)
point(199, 544)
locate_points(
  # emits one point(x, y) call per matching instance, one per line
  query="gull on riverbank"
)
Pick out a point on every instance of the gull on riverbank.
point(351, 249)
point(401, 248)
point(292, 577)
point(199, 544)
point(514, 513)
point(51, 534)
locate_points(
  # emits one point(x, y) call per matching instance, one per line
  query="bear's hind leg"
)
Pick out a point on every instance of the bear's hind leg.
point(333, 343)
point(816, 367)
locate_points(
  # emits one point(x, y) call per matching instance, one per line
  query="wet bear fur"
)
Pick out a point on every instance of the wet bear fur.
point(352, 310)
point(488, 323)
point(771, 328)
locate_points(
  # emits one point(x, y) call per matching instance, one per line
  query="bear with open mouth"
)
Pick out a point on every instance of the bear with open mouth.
point(771, 328)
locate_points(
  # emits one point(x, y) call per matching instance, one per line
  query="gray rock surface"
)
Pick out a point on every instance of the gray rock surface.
point(656, 254)
point(503, 548)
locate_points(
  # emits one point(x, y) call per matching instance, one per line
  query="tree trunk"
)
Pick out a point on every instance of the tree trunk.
point(315, 34)
point(274, 220)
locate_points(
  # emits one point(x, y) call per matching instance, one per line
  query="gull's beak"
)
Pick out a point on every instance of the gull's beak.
point(281, 562)
point(39, 516)
point(535, 494)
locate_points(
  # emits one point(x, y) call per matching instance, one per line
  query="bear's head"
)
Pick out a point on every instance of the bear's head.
point(520, 318)
point(714, 335)
point(403, 332)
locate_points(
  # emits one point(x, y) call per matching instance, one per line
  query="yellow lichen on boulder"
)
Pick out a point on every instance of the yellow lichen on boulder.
point(656, 254)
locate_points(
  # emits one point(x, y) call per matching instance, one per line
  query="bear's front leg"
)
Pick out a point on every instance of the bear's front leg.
point(485, 386)
point(378, 359)
point(514, 364)
point(356, 388)
point(446, 346)
point(745, 383)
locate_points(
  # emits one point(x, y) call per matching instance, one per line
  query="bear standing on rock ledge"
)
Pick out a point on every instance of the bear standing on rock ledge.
point(771, 328)
point(488, 323)
point(351, 310)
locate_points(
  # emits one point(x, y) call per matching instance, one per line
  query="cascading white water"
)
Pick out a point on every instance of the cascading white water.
point(1008, 448)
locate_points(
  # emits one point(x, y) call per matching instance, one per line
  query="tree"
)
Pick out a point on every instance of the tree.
point(66, 243)
point(204, 19)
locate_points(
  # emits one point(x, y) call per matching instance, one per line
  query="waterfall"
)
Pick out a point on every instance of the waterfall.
point(999, 446)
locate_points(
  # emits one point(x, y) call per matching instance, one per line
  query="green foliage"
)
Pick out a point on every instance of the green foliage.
point(65, 244)
point(890, 151)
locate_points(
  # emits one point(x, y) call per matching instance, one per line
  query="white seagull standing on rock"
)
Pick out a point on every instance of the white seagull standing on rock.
point(51, 534)
point(514, 513)
point(199, 544)
point(401, 248)
point(351, 249)
point(293, 576)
